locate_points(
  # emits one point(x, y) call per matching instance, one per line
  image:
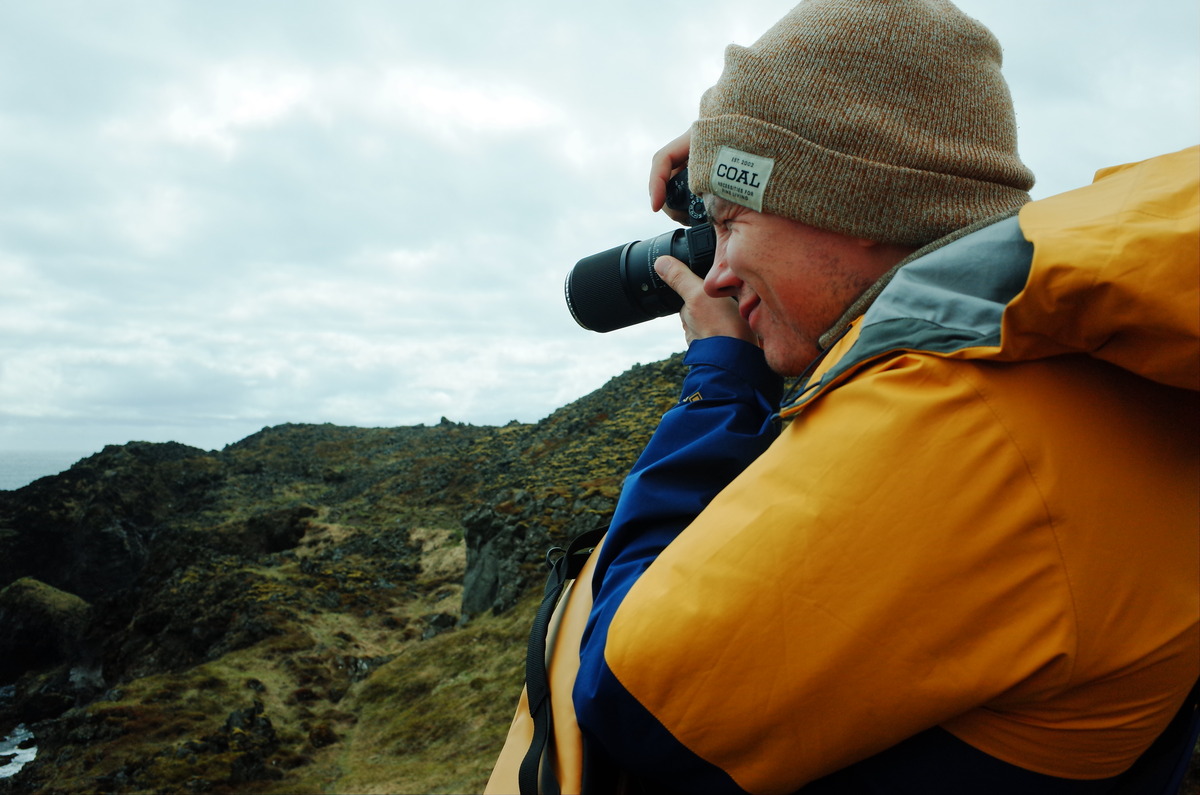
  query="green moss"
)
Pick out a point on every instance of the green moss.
point(28, 593)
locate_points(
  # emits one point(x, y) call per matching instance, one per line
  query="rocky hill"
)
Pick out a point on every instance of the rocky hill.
point(311, 609)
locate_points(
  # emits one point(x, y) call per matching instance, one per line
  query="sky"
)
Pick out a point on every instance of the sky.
point(220, 216)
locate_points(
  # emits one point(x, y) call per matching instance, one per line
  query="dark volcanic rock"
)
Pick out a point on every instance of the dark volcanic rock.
point(273, 531)
point(500, 540)
point(88, 530)
point(507, 543)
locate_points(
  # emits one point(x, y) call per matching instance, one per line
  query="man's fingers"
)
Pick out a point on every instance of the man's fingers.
point(679, 277)
point(703, 315)
point(664, 165)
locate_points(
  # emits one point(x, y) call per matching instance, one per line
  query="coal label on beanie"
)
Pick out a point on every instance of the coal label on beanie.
point(741, 177)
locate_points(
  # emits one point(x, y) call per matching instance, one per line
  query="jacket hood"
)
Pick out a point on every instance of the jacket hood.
point(1111, 270)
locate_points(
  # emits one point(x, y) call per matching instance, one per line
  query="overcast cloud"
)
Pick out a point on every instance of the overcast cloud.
point(219, 216)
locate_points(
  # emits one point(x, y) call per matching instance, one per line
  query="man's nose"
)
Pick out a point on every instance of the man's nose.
point(720, 281)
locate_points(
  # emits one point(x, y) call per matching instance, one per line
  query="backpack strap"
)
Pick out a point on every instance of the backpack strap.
point(563, 568)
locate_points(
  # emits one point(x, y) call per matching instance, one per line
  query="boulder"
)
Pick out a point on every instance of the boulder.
point(40, 626)
point(500, 539)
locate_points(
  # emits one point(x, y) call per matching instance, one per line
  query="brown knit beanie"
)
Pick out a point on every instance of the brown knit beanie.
point(881, 119)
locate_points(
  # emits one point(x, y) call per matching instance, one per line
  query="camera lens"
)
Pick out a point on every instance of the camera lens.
point(619, 287)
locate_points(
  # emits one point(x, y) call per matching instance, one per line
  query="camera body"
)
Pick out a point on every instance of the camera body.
point(619, 287)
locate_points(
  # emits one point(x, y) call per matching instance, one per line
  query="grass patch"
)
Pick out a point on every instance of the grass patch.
point(422, 729)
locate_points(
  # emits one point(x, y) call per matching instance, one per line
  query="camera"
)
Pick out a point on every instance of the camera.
point(619, 287)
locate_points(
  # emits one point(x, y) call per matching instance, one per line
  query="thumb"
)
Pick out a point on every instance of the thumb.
point(678, 277)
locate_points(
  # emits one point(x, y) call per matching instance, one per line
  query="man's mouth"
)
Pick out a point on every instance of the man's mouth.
point(746, 307)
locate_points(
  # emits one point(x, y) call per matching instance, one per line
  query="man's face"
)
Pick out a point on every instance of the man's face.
point(792, 282)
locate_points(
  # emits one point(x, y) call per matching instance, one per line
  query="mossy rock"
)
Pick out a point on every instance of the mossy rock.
point(39, 626)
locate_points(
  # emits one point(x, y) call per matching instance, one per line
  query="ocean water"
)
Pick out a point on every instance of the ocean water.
point(21, 467)
point(17, 757)
point(12, 756)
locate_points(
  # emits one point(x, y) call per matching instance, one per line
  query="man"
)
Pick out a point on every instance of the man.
point(968, 561)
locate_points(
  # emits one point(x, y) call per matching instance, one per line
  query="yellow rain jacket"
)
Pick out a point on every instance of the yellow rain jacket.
point(975, 540)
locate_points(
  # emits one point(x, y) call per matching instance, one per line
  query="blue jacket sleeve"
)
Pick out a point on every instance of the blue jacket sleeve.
point(722, 423)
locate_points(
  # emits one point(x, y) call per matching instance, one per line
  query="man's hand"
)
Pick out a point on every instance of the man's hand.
point(666, 163)
point(702, 315)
